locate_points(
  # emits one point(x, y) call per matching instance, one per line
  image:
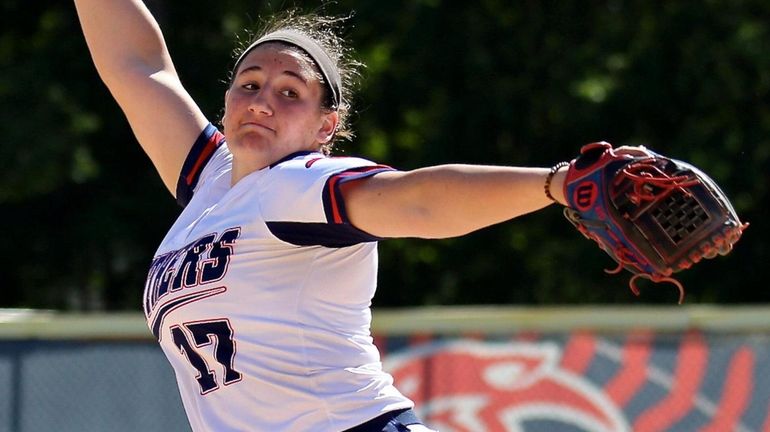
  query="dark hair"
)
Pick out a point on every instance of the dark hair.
point(324, 30)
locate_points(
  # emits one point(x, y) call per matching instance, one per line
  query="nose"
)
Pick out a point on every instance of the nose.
point(259, 103)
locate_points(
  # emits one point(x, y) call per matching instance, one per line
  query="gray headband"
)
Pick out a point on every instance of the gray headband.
point(316, 52)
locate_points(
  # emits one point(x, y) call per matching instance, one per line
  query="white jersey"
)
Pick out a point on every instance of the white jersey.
point(259, 296)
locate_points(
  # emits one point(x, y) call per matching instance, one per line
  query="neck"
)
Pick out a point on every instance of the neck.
point(243, 168)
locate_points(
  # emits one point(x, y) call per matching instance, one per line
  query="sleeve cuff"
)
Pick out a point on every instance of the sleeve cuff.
point(201, 152)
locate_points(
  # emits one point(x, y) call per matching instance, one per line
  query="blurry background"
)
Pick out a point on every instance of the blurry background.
point(492, 82)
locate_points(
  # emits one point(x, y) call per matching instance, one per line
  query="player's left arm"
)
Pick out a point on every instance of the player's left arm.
point(446, 200)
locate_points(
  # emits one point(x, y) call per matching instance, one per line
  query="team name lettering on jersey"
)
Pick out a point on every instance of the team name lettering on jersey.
point(200, 262)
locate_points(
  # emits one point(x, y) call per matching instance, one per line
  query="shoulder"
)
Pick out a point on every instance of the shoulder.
point(317, 162)
point(311, 177)
point(314, 166)
point(314, 174)
point(208, 158)
point(301, 200)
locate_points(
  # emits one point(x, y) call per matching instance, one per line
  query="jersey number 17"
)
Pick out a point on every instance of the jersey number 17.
point(199, 334)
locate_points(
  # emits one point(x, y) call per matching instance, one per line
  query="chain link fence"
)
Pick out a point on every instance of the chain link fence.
point(468, 369)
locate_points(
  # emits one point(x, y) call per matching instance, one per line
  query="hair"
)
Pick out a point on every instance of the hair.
point(325, 31)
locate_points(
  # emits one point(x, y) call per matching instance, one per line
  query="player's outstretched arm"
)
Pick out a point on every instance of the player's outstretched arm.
point(131, 57)
point(447, 200)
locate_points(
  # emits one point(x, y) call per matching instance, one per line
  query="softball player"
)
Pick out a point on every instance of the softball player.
point(260, 293)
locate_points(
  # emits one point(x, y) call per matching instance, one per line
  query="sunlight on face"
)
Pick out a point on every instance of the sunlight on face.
point(273, 107)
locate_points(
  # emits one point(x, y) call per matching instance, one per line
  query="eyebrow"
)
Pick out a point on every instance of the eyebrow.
point(286, 72)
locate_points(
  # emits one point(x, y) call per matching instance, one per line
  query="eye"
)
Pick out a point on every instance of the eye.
point(289, 93)
point(250, 86)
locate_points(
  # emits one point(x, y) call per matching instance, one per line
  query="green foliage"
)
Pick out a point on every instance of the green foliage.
point(489, 82)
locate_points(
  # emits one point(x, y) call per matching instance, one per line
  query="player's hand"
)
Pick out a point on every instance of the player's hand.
point(633, 150)
point(652, 214)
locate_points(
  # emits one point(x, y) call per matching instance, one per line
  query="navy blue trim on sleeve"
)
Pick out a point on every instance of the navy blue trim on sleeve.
point(337, 231)
point(320, 234)
point(201, 152)
point(334, 202)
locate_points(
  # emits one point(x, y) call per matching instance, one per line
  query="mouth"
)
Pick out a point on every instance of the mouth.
point(251, 125)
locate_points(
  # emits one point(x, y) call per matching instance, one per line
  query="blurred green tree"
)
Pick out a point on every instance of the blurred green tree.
point(488, 82)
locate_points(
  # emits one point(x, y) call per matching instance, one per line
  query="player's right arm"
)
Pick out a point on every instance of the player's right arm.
point(132, 59)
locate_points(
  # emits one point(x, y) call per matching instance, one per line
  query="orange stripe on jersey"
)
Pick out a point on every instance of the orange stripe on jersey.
point(336, 216)
point(336, 211)
point(203, 156)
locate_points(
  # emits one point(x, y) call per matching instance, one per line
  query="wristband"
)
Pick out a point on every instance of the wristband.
point(549, 178)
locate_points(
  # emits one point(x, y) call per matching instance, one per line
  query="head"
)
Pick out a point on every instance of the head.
point(290, 89)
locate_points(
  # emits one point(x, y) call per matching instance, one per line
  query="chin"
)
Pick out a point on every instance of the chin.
point(250, 142)
point(255, 151)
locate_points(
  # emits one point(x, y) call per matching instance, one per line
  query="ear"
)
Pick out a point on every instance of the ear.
point(328, 127)
point(224, 111)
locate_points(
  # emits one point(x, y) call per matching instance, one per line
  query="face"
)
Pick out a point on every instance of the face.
point(273, 107)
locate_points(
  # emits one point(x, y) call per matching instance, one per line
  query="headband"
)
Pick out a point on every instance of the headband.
point(312, 48)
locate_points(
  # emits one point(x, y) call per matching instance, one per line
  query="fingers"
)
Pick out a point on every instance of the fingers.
point(633, 150)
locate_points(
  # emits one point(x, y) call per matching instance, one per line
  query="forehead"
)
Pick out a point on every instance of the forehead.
point(280, 56)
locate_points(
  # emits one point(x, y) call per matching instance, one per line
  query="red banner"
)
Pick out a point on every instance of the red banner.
point(584, 382)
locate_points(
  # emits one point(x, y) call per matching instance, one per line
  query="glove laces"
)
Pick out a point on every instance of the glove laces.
point(644, 174)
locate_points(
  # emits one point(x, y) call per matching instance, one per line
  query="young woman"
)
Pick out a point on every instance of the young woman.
point(259, 294)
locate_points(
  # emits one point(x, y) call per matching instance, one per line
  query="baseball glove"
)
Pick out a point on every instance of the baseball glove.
point(652, 214)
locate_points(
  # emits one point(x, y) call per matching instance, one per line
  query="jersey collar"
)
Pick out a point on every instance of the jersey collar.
point(291, 156)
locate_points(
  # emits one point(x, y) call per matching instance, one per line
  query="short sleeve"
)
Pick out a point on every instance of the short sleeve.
point(208, 156)
point(302, 202)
